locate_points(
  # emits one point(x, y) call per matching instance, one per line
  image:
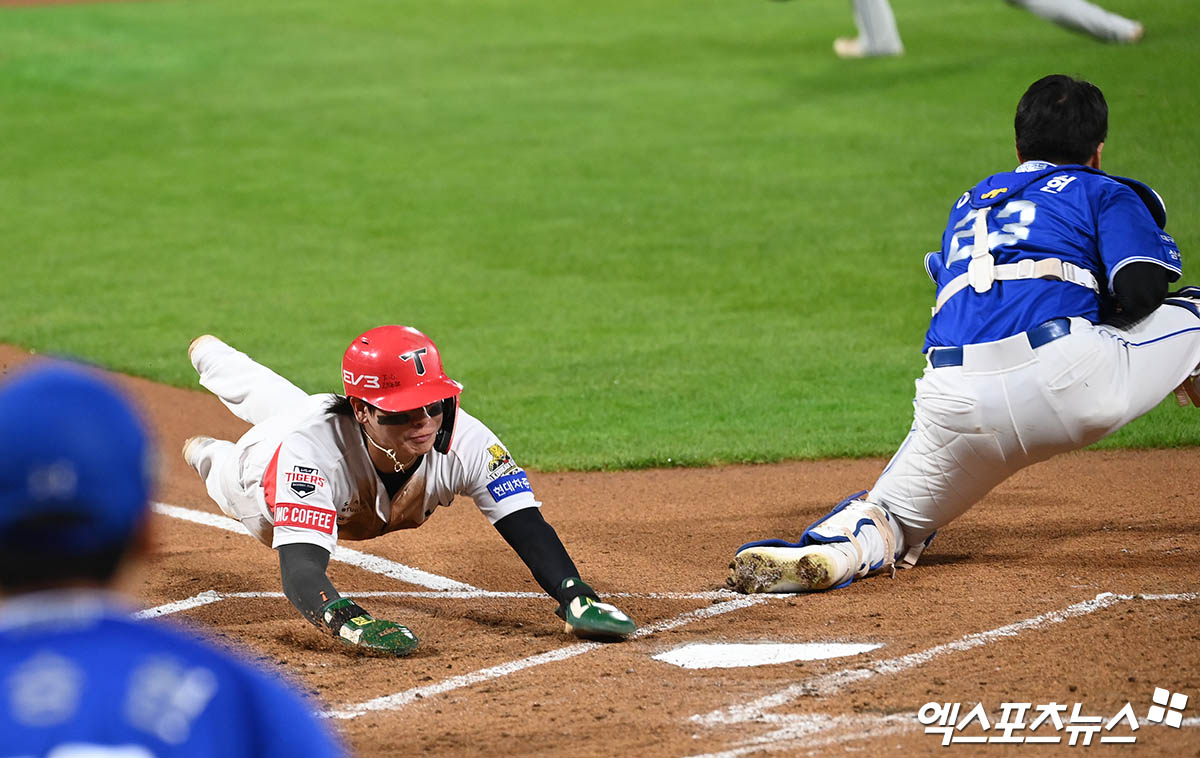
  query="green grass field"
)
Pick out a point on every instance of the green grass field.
point(641, 233)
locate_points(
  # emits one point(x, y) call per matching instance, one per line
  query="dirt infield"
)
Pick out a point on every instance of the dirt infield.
point(1009, 605)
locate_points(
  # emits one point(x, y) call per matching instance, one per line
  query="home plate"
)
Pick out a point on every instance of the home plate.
point(700, 655)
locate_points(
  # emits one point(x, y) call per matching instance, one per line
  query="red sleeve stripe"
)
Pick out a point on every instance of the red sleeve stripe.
point(268, 480)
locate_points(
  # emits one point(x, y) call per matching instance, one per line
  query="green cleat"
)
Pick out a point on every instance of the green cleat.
point(593, 620)
point(588, 618)
point(353, 626)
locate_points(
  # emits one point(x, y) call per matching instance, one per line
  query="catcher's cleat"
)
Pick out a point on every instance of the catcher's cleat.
point(193, 452)
point(788, 569)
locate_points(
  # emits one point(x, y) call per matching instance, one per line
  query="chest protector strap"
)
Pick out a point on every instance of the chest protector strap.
point(983, 269)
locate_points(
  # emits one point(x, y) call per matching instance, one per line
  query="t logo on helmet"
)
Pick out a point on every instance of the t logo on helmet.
point(415, 357)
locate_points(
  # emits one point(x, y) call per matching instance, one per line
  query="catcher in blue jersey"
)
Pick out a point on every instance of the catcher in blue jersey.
point(78, 677)
point(1052, 327)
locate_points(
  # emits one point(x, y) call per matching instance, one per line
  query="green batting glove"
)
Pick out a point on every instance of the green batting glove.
point(585, 616)
point(355, 627)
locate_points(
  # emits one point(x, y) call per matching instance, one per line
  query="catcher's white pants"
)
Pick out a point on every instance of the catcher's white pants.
point(1009, 405)
point(232, 472)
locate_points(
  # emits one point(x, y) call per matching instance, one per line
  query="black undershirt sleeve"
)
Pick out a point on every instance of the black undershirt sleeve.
point(302, 568)
point(1139, 288)
point(538, 545)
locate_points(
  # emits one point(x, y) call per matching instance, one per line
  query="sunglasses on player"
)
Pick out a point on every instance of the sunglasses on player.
point(409, 417)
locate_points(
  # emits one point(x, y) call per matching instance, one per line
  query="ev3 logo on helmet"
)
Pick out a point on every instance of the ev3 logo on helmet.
point(415, 357)
point(365, 380)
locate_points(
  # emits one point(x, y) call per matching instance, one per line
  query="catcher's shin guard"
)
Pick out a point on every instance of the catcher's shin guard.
point(853, 540)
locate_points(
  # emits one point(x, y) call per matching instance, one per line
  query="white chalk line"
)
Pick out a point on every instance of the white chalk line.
point(831, 683)
point(401, 699)
point(365, 561)
point(445, 588)
point(737, 603)
point(797, 729)
point(212, 596)
point(814, 730)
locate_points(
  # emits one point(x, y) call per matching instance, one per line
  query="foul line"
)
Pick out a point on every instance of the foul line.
point(212, 596)
point(365, 561)
point(819, 730)
point(445, 588)
point(813, 730)
point(401, 699)
point(829, 684)
point(798, 727)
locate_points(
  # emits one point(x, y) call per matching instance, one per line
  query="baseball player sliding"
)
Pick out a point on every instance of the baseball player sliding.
point(1052, 328)
point(383, 457)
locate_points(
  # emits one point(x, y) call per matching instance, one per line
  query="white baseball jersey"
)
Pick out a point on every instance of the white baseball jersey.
point(320, 483)
point(302, 474)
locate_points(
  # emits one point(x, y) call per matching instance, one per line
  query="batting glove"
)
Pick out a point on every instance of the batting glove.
point(585, 616)
point(355, 627)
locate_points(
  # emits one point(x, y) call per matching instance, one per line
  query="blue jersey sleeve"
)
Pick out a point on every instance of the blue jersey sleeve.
point(1126, 233)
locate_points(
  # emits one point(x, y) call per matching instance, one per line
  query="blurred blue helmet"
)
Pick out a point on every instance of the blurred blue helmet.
point(75, 469)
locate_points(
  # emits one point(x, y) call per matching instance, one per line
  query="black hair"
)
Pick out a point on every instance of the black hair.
point(340, 406)
point(31, 558)
point(1061, 120)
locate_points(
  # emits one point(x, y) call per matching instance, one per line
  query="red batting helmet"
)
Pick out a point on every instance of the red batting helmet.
point(397, 368)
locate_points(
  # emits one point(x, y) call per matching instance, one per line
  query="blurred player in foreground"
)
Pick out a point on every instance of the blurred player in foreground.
point(385, 456)
point(1051, 329)
point(78, 677)
point(878, 35)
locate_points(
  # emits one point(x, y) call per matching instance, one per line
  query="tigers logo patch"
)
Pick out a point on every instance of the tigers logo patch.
point(304, 480)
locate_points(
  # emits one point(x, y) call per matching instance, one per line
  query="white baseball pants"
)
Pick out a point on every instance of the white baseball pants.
point(879, 35)
point(1009, 405)
point(232, 472)
point(877, 32)
point(1083, 16)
